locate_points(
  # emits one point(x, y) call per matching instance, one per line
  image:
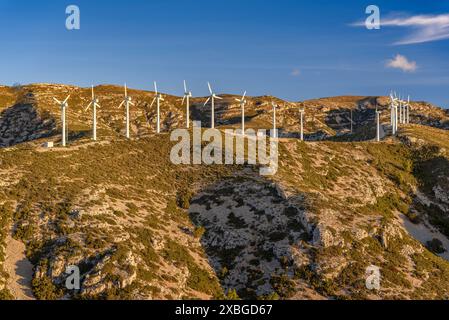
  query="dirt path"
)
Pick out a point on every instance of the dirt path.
point(423, 233)
point(20, 270)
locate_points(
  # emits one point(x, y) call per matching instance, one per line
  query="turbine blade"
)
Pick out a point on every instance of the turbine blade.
point(207, 101)
point(121, 104)
point(217, 97)
point(66, 99)
point(244, 95)
point(185, 86)
point(57, 101)
point(88, 106)
point(152, 103)
point(93, 95)
point(183, 99)
point(210, 88)
point(155, 87)
point(126, 90)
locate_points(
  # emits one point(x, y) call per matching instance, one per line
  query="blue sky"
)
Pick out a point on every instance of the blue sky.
point(288, 48)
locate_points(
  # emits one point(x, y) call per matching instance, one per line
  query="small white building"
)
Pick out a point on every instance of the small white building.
point(49, 144)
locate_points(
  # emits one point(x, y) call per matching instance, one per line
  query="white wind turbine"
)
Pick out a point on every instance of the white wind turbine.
point(187, 96)
point(394, 112)
point(127, 101)
point(158, 98)
point(94, 104)
point(64, 105)
point(212, 98)
point(242, 102)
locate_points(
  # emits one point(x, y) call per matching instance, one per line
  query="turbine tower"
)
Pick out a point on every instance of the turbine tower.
point(127, 101)
point(64, 105)
point(94, 104)
point(158, 100)
point(378, 126)
point(187, 96)
point(212, 98)
point(242, 102)
point(301, 111)
point(408, 110)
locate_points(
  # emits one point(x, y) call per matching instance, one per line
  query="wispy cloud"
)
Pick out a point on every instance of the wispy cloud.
point(424, 28)
point(402, 63)
point(295, 73)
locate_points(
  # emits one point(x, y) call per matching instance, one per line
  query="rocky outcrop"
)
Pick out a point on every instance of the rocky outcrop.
point(110, 273)
point(22, 123)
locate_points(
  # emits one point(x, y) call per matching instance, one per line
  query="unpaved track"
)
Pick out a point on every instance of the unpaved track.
point(20, 270)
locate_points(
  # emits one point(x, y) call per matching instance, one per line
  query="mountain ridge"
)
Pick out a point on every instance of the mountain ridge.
point(139, 227)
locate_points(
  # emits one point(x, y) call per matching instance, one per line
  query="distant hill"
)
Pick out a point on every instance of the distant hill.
point(140, 227)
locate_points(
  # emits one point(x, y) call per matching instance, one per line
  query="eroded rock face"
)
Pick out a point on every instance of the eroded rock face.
point(251, 233)
point(22, 123)
point(441, 191)
point(325, 238)
point(117, 270)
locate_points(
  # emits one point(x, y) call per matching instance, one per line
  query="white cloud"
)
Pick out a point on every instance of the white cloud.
point(425, 28)
point(402, 63)
point(295, 73)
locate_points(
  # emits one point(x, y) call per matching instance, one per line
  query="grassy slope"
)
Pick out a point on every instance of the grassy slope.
point(115, 198)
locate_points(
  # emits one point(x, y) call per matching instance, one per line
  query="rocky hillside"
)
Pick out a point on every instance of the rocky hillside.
point(139, 227)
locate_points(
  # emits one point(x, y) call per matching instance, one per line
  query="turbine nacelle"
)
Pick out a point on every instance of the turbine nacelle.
point(63, 104)
point(242, 100)
point(212, 96)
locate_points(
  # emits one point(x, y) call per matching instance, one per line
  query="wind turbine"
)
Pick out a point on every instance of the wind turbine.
point(64, 105)
point(301, 111)
point(187, 96)
point(158, 100)
point(394, 106)
point(127, 101)
point(242, 102)
point(94, 104)
point(212, 98)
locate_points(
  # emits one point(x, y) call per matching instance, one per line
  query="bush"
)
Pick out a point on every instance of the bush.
point(283, 285)
point(232, 295)
point(199, 232)
point(44, 289)
point(184, 198)
point(435, 246)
